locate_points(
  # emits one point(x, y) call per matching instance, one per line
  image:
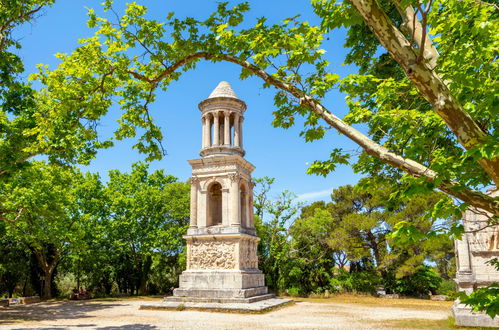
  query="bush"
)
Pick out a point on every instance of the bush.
point(419, 284)
point(362, 282)
point(294, 292)
point(447, 287)
point(65, 284)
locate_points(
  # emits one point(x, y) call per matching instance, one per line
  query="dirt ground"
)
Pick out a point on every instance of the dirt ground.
point(343, 312)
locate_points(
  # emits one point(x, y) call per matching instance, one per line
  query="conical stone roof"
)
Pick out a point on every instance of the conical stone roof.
point(223, 90)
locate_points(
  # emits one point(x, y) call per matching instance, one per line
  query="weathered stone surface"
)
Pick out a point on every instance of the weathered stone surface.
point(478, 245)
point(464, 316)
point(214, 294)
point(238, 279)
point(267, 303)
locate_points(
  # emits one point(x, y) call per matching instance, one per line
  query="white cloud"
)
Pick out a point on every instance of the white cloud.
point(314, 195)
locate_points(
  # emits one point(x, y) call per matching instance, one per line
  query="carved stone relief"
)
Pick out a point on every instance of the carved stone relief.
point(211, 255)
point(248, 259)
point(214, 168)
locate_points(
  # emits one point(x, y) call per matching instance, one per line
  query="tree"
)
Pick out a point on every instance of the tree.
point(463, 159)
point(38, 210)
point(71, 138)
point(14, 263)
point(272, 221)
point(313, 258)
point(148, 214)
point(355, 227)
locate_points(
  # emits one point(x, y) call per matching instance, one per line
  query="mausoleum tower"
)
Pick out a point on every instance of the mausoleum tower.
point(221, 186)
point(222, 118)
point(222, 264)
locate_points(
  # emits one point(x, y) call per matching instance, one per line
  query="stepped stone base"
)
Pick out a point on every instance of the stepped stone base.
point(219, 293)
point(464, 316)
point(218, 299)
point(232, 290)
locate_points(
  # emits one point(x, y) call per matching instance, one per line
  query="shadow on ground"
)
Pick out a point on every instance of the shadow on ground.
point(53, 311)
point(130, 327)
point(93, 326)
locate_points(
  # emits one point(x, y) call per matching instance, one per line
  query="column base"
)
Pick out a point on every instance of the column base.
point(464, 316)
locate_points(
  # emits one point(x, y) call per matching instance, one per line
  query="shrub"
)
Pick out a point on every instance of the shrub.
point(65, 283)
point(419, 284)
point(294, 292)
point(447, 287)
point(364, 281)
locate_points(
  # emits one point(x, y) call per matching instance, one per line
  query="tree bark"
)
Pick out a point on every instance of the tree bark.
point(48, 270)
point(414, 28)
point(466, 129)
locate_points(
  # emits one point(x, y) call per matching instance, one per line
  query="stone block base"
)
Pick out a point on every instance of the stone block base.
point(230, 306)
point(221, 279)
point(220, 293)
point(464, 316)
point(215, 298)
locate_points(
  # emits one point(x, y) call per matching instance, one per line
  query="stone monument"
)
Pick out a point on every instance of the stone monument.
point(479, 244)
point(222, 264)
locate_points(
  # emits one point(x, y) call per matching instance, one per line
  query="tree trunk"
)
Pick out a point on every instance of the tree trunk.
point(25, 285)
point(47, 285)
point(374, 246)
point(48, 269)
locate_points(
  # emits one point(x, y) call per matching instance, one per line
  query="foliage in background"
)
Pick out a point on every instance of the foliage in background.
point(344, 246)
point(123, 236)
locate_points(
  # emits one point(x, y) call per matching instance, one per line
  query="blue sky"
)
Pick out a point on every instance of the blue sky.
point(275, 152)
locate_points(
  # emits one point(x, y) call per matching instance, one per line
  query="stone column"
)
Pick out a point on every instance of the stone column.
point(463, 255)
point(216, 130)
point(205, 135)
point(225, 209)
point(235, 204)
point(207, 130)
point(194, 202)
point(221, 133)
point(227, 128)
point(202, 208)
point(241, 132)
point(236, 130)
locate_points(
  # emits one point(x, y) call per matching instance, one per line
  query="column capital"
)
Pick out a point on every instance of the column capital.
point(234, 177)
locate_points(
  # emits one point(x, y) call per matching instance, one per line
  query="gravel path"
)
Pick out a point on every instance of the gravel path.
point(125, 314)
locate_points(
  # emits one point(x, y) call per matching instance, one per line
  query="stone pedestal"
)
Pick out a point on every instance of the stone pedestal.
point(478, 245)
point(221, 268)
point(464, 316)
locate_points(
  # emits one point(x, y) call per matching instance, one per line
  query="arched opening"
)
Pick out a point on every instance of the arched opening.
point(214, 205)
point(244, 206)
